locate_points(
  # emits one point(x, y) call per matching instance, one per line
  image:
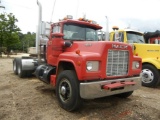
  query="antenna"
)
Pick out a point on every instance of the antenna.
point(129, 25)
point(84, 15)
point(53, 10)
point(77, 8)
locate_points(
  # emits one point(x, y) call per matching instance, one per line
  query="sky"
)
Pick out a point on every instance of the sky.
point(143, 15)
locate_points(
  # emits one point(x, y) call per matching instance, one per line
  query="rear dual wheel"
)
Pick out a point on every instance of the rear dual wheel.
point(17, 68)
point(21, 73)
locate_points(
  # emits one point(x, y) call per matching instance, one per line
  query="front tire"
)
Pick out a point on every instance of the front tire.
point(150, 76)
point(67, 90)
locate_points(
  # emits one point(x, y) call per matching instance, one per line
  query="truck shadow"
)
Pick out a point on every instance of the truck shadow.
point(46, 89)
point(88, 105)
point(158, 87)
point(105, 102)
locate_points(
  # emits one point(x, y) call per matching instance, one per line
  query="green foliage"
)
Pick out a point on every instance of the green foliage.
point(3, 49)
point(27, 40)
point(8, 31)
point(10, 36)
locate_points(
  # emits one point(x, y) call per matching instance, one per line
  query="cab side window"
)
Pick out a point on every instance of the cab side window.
point(56, 29)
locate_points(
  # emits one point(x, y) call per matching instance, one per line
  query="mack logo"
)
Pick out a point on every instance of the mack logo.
point(119, 46)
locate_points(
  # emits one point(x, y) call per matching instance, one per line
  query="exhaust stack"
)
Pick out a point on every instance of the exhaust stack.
point(38, 32)
point(107, 29)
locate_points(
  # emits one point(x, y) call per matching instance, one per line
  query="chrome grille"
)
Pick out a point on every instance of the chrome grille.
point(117, 63)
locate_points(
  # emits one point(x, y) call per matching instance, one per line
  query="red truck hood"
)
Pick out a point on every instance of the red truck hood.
point(97, 46)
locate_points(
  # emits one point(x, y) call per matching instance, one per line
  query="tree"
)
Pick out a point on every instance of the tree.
point(8, 31)
point(2, 28)
point(28, 40)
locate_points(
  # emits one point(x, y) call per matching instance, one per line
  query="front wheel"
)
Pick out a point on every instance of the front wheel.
point(150, 76)
point(67, 90)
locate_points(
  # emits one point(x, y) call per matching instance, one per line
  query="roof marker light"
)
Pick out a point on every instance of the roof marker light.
point(68, 17)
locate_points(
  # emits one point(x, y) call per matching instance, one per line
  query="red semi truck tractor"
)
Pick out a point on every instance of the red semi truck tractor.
point(81, 67)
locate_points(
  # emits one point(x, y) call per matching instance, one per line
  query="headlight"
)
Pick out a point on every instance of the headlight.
point(89, 66)
point(92, 65)
point(135, 65)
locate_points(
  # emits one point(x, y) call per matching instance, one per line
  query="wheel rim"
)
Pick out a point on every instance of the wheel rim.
point(147, 76)
point(65, 90)
point(14, 66)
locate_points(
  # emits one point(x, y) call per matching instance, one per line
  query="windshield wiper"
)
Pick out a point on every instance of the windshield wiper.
point(141, 40)
point(90, 40)
point(79, 40)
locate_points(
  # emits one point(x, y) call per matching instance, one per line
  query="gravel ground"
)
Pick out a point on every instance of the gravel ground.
point(31, 99)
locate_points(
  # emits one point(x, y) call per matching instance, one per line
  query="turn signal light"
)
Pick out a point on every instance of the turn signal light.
point(78, 52)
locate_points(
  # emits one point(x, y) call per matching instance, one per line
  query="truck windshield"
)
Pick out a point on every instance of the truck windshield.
point(134, 37)
point(79, 32)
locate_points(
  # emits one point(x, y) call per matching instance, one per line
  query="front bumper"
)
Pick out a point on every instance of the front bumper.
point(91, 90)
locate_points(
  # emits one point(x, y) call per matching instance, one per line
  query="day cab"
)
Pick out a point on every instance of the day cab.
point(81, 67)
point(150, 53)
